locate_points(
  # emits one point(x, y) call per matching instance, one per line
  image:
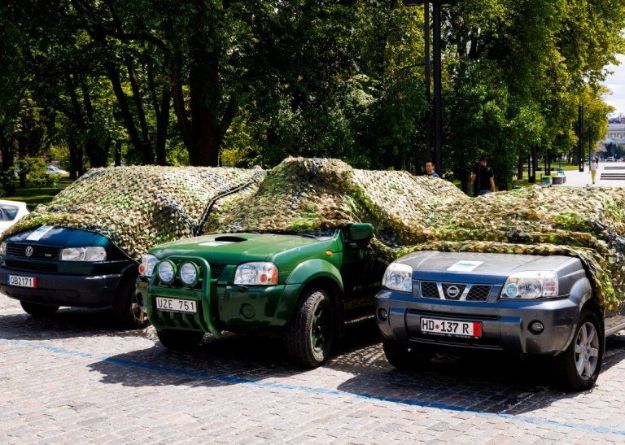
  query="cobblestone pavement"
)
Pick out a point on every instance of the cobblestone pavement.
point(75, 378)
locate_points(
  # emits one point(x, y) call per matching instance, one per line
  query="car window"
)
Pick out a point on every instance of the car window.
point(8, 213)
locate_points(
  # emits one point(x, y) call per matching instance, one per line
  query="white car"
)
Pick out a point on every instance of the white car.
point(10, 213)
point(54, 170)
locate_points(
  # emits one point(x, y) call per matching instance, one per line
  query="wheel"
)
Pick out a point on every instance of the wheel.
point(38, 310)
point(404, 358)
point(578, 367)
point(128, 307)
point(180, 340)
point(311, 331)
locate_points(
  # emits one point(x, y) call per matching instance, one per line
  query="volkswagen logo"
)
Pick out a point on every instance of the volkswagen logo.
point(453, 292)
point(29, 251)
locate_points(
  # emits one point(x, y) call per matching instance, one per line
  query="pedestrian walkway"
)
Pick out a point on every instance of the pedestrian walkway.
point(610, 174)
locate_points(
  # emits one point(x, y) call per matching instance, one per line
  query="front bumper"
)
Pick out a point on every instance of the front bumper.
point(505, 324)
point(223, 307)
point(63, 290)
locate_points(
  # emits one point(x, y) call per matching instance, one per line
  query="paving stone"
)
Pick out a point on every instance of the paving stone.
point(74, 378)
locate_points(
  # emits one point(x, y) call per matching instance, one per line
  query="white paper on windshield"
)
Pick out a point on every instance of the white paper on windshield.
point(39, 233)
point(465, 266)
point(215, 243)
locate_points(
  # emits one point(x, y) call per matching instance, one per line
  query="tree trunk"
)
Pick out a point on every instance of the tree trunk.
point(122, 100)
point(162, 125)
point(519, 169)
point(146, 146)
point(97, 154)
point(7, 177)
point(203, 82)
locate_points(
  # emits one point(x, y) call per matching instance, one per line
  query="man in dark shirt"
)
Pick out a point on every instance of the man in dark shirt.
point(483, 178)
point(429, 170)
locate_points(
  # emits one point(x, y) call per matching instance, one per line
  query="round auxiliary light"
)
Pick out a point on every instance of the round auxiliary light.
point(166, 272)
point(188, 274)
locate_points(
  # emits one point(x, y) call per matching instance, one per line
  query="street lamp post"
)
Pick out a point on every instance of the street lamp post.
point(436, 111)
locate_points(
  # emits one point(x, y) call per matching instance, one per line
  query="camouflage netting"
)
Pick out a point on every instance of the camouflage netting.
point(420, 213)
point(139, 207)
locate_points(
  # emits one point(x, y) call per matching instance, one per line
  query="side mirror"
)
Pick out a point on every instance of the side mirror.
point(360, 232)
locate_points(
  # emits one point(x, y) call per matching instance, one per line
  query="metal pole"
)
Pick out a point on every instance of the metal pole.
point(581, 138)
point(428, 78)
point(438, 88)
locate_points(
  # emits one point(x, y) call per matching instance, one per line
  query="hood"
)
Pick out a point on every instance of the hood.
point(59, 237)
point(487, 268)
point(234, 248)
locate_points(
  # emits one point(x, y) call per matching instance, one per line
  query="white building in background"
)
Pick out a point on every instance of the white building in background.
point(615, 134)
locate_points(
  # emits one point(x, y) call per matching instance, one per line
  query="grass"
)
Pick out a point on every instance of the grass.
point(33, 196)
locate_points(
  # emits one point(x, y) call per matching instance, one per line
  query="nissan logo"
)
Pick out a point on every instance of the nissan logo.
point(453, 291)
point(29, 251)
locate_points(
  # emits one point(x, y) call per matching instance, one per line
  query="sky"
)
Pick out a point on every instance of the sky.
point(616, 83)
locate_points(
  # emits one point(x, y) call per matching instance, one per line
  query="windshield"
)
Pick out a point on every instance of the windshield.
point(8, 213)
point(321, 235)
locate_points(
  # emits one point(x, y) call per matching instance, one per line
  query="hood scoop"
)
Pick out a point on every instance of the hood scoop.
point(230, 239)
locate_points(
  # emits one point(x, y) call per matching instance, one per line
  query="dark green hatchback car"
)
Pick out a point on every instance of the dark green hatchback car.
point(301, 285)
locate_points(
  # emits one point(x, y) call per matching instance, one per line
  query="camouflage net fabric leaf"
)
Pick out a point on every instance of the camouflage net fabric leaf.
point(139, 207)
point(421, 213)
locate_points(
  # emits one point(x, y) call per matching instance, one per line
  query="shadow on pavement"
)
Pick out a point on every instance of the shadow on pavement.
point(67, 323)
point(491, 383)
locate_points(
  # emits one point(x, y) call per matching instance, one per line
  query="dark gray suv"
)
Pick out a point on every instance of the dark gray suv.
point(517, 303)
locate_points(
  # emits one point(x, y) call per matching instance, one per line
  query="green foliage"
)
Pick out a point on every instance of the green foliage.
point(245, 83)
point(34, 170)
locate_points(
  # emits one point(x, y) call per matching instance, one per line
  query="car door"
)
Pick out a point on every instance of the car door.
point(362, 275)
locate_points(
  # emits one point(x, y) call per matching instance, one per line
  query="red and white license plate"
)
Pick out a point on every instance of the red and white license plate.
point(451, 328)
point(21, 281)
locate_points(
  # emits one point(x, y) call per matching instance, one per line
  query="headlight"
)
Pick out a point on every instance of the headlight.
point(398, 277)
point(83, 254)
point(188, 274)
point(531, 285)
point(3, 249)
point(261, 274)
point(166, 271)
point(146, 268)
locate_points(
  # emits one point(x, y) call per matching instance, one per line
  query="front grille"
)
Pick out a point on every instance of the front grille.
point(429, 289)
point(453, 291)
point(179, 319)
point(216, 270)
point(478, 293)
point(31, 266)
point(38, 251)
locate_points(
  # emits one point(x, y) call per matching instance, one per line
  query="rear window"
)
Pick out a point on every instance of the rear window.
point(8, 213)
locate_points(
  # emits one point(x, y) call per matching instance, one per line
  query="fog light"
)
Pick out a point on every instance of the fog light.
point(247, 310)
point(536, 327)
point(382, 314)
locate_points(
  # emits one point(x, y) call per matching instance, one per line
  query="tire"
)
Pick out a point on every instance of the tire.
point(127, 306)
point(180, 340)
point(585, 352)
point(404, 358)
point(38, 310)
point(310, 333)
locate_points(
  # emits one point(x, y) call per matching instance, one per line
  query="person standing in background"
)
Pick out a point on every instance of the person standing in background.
point(483, 178)
point(594, 167)
point(429, 170)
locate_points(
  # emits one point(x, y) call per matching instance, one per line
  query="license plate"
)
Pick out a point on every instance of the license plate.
point(176, 305)
point(20, 281)
point(451, 328)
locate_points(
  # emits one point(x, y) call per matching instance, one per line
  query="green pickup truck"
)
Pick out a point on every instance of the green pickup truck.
point(301, 285)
